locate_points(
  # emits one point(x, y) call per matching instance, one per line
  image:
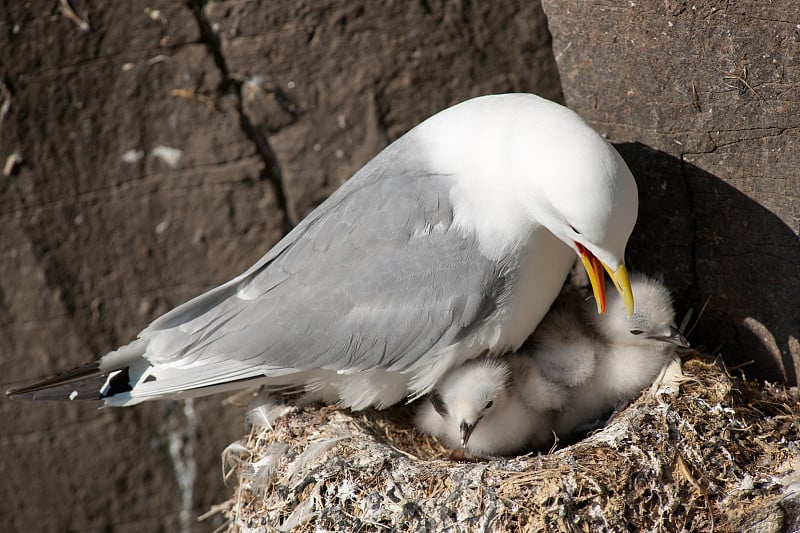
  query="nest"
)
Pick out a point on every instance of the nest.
point(700, 451)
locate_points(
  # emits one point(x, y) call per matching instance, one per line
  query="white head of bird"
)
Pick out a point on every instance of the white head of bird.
point(540, 164)
point(480, 407)
point(468, 394)
point(653, 322)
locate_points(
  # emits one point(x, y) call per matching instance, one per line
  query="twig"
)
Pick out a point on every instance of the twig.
point(5, 102)
point(555, 443)
point(68, 12)
point(404, 453)
point(685, 322)
point(740, 365)
point(699, 316)
point(192, 95)
point(683, 468)
point(695, 97)
point(215, 509)
point(742, 79)
point(11, 163)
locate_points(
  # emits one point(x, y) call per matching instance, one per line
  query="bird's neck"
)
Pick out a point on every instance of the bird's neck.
point(543, 268)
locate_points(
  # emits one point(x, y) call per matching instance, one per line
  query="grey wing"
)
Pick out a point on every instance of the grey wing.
point(376, 277)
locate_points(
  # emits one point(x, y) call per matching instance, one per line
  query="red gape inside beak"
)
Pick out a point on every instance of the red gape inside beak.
point(594, 268)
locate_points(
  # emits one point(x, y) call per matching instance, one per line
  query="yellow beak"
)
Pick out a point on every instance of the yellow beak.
point(594, 268)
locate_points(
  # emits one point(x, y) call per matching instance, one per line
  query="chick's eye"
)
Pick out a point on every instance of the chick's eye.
point(636, 332)
point(488, 405)
point(573, 229)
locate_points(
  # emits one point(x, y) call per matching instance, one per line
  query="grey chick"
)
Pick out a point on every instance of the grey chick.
point(492, 406)
point(564, 345)
point(631, 352)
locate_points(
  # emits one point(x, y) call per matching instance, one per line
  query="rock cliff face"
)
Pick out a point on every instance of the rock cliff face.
point(162, 148)
point(704, 101)
point(152, 150)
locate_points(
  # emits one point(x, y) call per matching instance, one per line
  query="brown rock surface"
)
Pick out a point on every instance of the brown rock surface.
point(271, 106)
point(703, 98)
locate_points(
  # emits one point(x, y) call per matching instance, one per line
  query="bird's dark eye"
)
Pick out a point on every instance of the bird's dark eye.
point(636, 332)
point(573, 229)
point(488, 405)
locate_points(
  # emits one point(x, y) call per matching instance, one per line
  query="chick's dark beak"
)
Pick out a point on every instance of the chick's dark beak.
point(675, 337)
point(466, 432)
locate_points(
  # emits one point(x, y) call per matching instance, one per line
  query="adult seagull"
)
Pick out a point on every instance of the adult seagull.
point(451, 243)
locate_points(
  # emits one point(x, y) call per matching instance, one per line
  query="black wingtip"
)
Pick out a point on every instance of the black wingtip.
point(87, 382)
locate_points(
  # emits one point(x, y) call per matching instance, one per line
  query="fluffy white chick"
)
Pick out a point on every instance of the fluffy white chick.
point(492, 406)
point(633, 350)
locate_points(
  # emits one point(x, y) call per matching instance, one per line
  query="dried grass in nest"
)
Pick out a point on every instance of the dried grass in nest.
point(700, 451)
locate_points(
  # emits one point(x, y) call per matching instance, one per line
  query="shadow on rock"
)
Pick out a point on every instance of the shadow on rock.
point(708, 240)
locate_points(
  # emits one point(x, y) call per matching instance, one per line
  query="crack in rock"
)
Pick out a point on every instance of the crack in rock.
point(230, 85)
